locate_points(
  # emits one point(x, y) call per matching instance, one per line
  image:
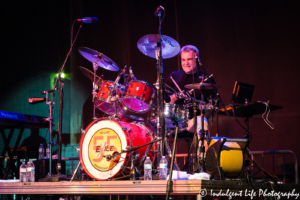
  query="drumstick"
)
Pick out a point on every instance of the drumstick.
point(176, 84)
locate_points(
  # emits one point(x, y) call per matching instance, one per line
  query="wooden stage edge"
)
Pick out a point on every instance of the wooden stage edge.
point(155, 187)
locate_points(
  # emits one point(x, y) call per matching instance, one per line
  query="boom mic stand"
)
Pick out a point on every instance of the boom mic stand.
point(50, 103)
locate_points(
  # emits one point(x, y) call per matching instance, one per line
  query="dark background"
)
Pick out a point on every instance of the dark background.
point(255, 42)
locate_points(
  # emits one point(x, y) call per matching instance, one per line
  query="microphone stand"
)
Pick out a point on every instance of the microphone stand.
point(160, 102)
point(50, 178)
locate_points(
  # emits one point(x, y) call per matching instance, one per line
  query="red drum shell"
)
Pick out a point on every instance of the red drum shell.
point(138, 96)
point(104, 137)
point(103, 100)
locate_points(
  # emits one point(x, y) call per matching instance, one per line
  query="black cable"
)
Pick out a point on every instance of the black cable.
point(233, 112)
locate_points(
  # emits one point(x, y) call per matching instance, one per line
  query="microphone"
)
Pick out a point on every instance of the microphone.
point(158, 11)
point(35, 100)
point(198, 59)
point(132, 77)
point(90, 20)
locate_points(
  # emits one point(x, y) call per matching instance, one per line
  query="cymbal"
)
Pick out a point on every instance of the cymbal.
point(201, 86)
point(101, 59)
point(148, 44)
point(90, 75)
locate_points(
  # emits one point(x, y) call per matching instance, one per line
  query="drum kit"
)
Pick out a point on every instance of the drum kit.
point(102, 144)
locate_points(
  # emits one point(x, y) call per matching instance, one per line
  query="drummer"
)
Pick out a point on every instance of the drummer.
point(190, 74)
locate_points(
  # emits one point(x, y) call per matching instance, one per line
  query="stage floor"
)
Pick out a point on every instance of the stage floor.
point(155, 187)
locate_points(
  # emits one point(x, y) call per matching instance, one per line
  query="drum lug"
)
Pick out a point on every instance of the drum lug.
point(143, 94)
point(148, 133)
point(129, 130)
point(82, 131)
point(145, 87)
point(124, 129)
point(101, 93)
point(128, 91)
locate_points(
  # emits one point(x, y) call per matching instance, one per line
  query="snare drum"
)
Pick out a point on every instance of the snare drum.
point(104, 137)
point(105, 100)
point(138, 97)
point(171, 112)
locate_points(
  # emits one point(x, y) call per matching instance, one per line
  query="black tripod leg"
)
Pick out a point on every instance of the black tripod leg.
point(170, 182)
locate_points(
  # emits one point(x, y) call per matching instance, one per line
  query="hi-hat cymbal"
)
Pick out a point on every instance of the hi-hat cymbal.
point(90, 75)
point(148, 44)
point(201, 86)
point(101, 59)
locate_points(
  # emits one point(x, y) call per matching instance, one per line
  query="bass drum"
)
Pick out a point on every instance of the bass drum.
point(104, 137)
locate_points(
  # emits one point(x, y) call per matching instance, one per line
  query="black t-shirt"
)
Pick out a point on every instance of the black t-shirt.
point(182, 79)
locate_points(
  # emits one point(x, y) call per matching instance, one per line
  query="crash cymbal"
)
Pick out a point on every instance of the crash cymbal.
point(90, 75)
point(148, 44)
point(201, 86)
point(101, 59)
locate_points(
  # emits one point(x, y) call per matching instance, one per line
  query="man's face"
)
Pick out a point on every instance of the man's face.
point(188, 62)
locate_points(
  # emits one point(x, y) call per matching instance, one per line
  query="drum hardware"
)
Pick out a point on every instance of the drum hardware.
point(201, 86)
point(78, 165)
point(170, 182)
point(146, 153)
point(90, 75)
point(132, 77)
point(134, 172)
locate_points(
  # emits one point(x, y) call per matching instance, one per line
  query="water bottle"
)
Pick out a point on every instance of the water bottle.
point(48, 152)
point(41, 152)
point(148, 169)
point(163, 168)
point(30, 172)
point(23, 172)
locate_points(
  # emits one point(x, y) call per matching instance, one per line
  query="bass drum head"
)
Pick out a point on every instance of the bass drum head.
point(104, 137)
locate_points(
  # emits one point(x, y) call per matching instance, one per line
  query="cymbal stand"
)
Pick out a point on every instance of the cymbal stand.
point(203, 134)
point(217, 111)
point(95, 67)
point(116, 89)
point(170, 182)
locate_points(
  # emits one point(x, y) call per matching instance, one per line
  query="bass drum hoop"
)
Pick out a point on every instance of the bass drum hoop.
point(86, 137)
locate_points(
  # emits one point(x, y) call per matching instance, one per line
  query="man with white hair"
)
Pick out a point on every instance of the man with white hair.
point(191, 74)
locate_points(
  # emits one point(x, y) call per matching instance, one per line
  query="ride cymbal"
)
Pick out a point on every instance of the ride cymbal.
point(201, 86)
point(101, 59)
point(148, 45)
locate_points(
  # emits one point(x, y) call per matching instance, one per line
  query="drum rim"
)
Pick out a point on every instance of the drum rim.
point(127, 156)
point(120, 107)
point(141, 82)
point(139, 98)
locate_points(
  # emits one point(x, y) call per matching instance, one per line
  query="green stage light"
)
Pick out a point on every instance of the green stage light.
point(62, 75)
